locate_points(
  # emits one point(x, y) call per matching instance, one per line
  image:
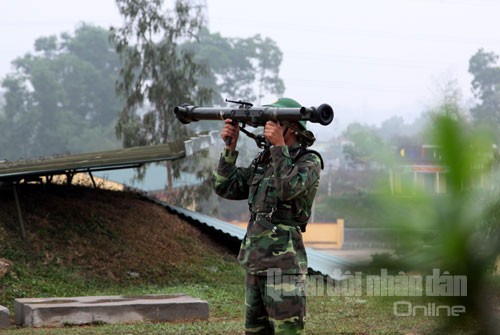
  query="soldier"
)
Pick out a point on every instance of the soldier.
point(280, 185)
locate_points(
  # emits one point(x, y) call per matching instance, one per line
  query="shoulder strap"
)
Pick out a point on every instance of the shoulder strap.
point(303, 151)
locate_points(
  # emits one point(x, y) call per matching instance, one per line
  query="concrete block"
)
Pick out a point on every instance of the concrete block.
point(53, 312)
point(4, 317)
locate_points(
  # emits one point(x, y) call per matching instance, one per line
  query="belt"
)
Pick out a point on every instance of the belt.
point(268, 220)
point(278, 215)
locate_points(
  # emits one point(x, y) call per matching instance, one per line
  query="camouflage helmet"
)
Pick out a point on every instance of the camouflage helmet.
point(288, 103)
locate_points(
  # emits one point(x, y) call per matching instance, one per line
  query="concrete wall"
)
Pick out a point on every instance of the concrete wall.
point(319, 235)
point(4, 317)
point(328, 235)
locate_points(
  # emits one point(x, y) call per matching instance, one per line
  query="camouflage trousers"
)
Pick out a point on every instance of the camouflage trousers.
point(275, 307)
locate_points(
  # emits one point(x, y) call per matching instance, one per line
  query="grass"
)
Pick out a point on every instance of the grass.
point(327, 313)
point(360, 210)
point(103, 245)
point(221, 287)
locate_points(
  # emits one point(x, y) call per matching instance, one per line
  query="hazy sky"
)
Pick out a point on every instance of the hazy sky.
point(368, 59)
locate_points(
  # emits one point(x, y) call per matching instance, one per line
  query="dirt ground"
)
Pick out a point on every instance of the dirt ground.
point(106, 234)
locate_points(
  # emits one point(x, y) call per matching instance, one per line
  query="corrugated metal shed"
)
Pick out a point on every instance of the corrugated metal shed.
point(88, 162)
point(135, 157)
point(327, 265)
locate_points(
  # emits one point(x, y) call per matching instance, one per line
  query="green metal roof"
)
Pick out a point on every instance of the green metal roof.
point(95, 161)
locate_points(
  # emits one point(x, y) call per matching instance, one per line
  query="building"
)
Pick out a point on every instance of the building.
point(421, 167)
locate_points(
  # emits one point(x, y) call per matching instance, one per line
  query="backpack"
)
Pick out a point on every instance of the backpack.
point(301, 152)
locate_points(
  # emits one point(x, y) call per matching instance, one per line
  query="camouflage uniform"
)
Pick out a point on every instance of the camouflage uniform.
point(280, 190)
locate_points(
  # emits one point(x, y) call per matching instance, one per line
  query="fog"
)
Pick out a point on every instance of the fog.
point(369, 60)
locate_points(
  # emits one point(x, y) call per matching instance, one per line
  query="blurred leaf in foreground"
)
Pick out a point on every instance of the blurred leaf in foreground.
point(458, 231)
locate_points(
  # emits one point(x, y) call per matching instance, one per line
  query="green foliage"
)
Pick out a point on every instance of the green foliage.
point(326, 314)
point(359, 210)
point(156, 74)
point(236, 66)
point(212, 276)
point(486, 86)
point(448, 231)
point(366, 147)
point(170, 58)
point(60, 95)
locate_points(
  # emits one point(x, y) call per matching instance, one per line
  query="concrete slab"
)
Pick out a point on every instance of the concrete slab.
point(54, 312)
point(4, 317)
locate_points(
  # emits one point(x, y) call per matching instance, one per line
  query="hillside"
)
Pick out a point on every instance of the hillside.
point(85, 241)
point(84, 237)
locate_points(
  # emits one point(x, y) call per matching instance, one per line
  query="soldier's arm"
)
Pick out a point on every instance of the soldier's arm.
point(297, 179)
point(229, 181)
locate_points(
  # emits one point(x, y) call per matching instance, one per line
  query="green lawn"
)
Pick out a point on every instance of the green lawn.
point(326, 314)
point(90, 247)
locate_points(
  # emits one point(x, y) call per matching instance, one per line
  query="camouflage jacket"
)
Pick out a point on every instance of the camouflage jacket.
point(273, 183)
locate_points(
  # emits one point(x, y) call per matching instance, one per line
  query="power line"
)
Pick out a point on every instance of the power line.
point(368, 31)
point(473, 3)
point(356, 59)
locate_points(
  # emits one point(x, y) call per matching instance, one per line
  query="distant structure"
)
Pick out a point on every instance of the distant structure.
point(420, 167)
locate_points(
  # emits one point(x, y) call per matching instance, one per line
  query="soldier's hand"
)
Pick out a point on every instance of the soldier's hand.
point(274, 133)
point(230, 131)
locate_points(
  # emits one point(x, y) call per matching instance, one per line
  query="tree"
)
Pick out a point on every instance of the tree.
point(61, 97)
point(169, 58)
point(364, 146)
point(156, 74)
point(241, 68)
point(448, 101)
point(486, 87)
